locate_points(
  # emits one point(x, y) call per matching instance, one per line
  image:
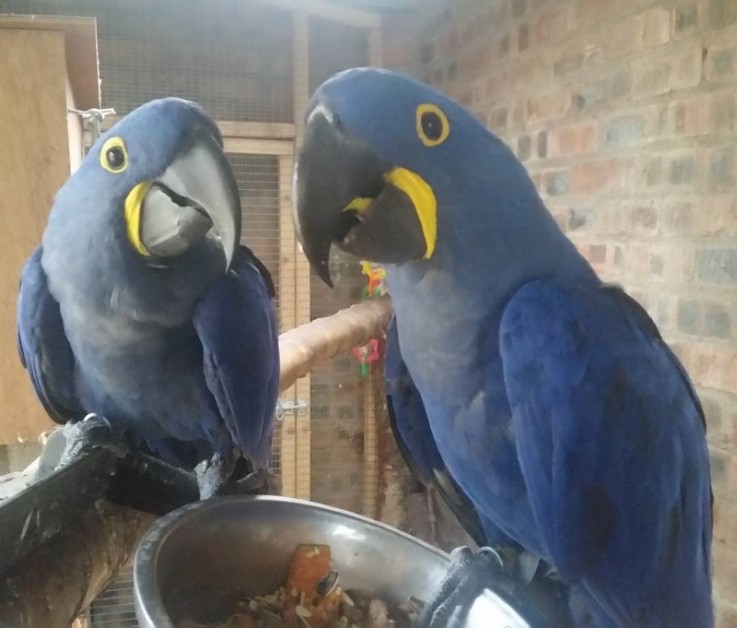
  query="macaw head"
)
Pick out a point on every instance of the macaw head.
point(153, 210)
point(395, 172)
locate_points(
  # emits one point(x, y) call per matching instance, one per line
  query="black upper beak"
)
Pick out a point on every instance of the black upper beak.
point(331, 170)
point(345, 194)
point(197, 196)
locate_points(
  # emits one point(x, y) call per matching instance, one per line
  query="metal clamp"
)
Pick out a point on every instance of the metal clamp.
point(93, 119)
point(294, 407)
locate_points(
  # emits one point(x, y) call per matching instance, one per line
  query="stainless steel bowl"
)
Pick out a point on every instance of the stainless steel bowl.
point(199, 560)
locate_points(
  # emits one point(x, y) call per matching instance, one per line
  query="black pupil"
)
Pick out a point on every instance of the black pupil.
point(115, 158)
point(432, 125)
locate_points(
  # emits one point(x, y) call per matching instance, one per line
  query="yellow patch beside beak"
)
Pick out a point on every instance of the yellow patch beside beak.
point(133, 204)
point(423, 198)
point(359, 204)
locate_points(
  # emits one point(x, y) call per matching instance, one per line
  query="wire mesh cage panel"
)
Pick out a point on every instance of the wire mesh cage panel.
point(258, 182)
point(234, 58)
point(115, 607)
point(334, 47)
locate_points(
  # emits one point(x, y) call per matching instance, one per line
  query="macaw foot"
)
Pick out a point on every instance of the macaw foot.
point(90, 433)
point(258, 482)
point(519, 564)
point(224, 476)
point(467, 578)
point(213, 475)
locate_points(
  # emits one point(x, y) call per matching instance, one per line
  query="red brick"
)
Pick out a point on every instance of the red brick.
point(596, 176)
point(687, 68)
point(498, 118)
point(637, 261)
point(550, 26)
point(690, 117)
point(548, 106)
point(597, 253)
point(573, 140)
point(568, 61)
point(529, 71)
point(678, 217)
point(722, 12)
point(721, 60)
point(717, 215)
point(398, 55)
point(495, 85)
point(677, 263)
point(656, 27)
point(519, 113)
point(591, 11)
point(686, 18)
point(624, 37)
point(557, 182)
point(725, 521)
point(720, 422)
point(722, 112)
point(652, 78)
point(648, 173)
point(712, 366)
point(476, 60)
point(643, 218)
point(613, 220)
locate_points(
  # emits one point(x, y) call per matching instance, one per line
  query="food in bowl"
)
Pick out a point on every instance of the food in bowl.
point(313, 598)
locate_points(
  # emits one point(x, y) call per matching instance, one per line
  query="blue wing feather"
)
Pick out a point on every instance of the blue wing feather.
point(611, 442)
point(236, 324)
point(43, 345)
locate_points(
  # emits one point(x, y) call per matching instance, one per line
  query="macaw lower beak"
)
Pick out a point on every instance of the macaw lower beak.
point(345, 194)
point(195, 198)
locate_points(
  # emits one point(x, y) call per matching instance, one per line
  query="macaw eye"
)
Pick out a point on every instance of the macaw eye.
point(113, 156)
point(433, 127)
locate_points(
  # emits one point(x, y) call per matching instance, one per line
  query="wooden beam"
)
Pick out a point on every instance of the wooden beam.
point(257, 130)
point(258, 147)
point(34, 163)
point(330, 11)
point(80, 34)
point(233, 130)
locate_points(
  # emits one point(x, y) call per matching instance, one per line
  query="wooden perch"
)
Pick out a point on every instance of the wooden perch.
point(304, 347)
point(53, 583)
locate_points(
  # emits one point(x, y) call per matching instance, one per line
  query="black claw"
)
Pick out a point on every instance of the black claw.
point(230, 476)
point(467, 578)
point(91, 433)
point(213, 474)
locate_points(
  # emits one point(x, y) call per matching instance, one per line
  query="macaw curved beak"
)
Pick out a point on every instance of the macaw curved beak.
point(196, 197)
point(345, 194)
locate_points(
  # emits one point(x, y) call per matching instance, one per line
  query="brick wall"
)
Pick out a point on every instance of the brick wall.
point(624, 113)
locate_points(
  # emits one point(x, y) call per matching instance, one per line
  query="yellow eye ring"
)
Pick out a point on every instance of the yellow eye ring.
point(433, 127)
point(113, 156)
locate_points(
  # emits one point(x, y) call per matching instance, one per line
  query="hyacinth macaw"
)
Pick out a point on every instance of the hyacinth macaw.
point(140, 307)
point(553, 401)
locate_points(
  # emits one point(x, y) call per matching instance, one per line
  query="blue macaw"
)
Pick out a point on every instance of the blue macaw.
point(411, 429)
point(553, 401)
point(141, 307)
